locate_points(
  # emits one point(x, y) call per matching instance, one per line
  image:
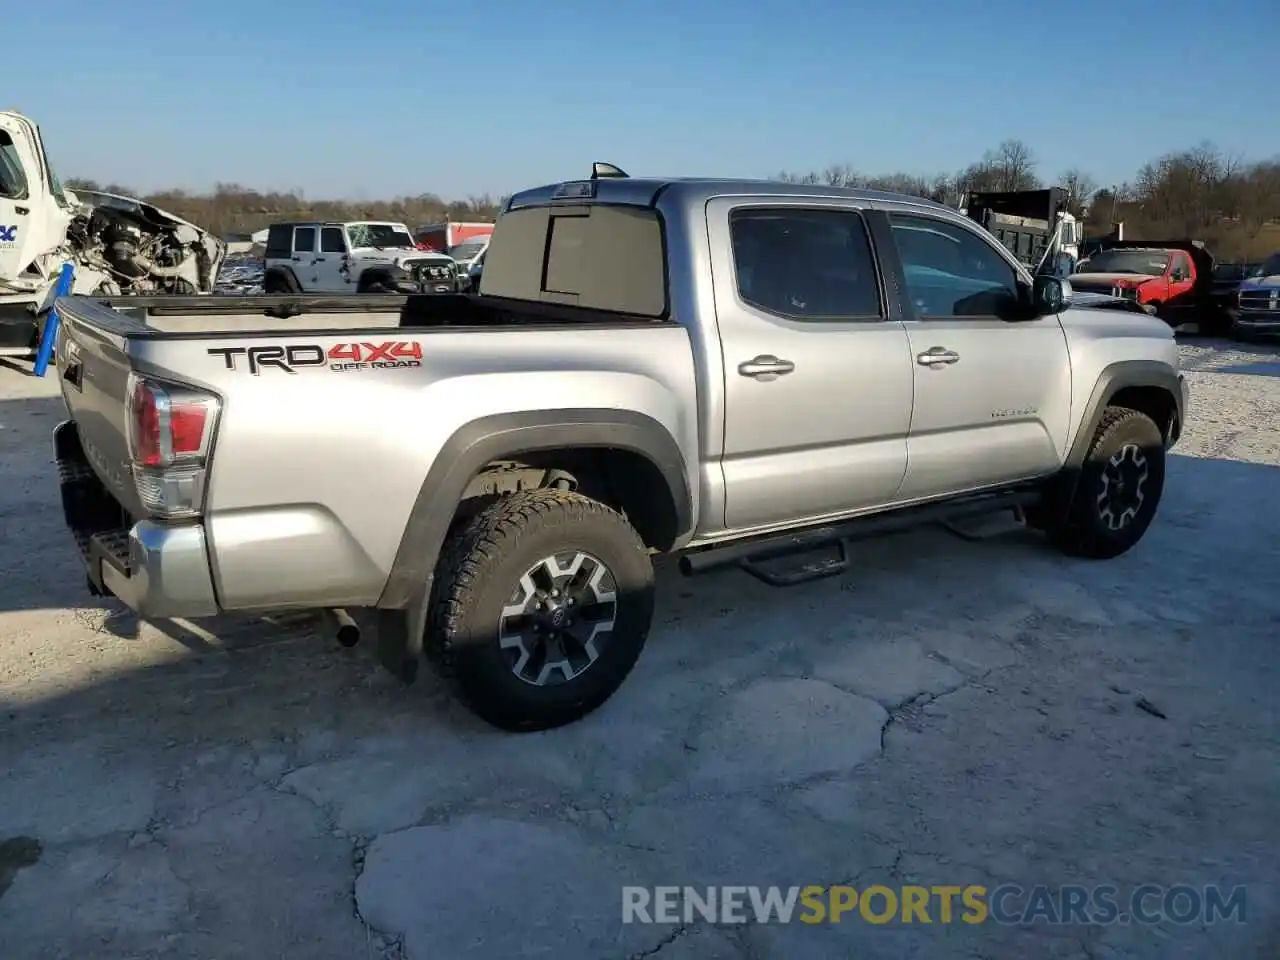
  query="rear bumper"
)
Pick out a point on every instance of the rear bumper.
point(158, 570)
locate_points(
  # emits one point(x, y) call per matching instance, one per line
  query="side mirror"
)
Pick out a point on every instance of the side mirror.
point(1050, 295)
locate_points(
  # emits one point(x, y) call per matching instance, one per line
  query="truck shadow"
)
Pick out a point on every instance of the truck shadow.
point(248, 678)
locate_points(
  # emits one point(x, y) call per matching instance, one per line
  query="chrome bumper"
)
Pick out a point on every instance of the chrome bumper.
point(156, 569)
point(160, 572)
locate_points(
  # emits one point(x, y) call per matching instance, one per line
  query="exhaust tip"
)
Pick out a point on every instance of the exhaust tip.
point(347, 630)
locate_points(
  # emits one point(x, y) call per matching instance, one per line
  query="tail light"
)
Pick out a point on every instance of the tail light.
point(170, 432)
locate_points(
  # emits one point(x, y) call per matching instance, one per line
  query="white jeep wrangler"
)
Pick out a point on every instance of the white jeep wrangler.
point(365, 257)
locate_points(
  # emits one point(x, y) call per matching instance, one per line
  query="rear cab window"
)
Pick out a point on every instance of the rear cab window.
point(608, 257)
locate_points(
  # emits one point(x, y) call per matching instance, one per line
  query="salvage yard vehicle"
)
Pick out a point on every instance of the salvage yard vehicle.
point(1030, 223)
point(358, 257)
point(1257, 312)
point(117, 245)
point(741, 373)
point(1175, 277)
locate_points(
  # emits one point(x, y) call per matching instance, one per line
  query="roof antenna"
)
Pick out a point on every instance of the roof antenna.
point(607, 171)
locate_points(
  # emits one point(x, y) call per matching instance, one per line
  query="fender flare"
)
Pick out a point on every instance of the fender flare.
point(370, 273)
point(1118, 376)
point(403, 603)
point(1121, 375)
point(286, 272)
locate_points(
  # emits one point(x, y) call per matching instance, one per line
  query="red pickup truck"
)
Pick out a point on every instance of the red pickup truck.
point(1173, 277)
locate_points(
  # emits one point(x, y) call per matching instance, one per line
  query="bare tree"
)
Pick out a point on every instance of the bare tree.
point(1080, 188)
point(1012, 165)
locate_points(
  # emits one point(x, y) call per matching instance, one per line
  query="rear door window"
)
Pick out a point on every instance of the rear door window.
point(304, 239)
point(806, 264)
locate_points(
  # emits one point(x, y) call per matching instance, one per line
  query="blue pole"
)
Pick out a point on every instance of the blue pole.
point(50, 335)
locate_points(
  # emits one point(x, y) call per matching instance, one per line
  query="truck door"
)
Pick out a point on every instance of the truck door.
point(992, 397)
point(330, 273)
point(28, 227)
point(1182, 282)
point(817, 379)
point(305, 257)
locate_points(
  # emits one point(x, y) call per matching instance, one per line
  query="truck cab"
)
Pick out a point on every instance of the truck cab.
point(117, 245)
point(1257, 312)
point(354, 257)
point(35, 212)
point(1173, 277)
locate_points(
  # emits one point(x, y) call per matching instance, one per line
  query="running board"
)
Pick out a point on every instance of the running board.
point(748, 554)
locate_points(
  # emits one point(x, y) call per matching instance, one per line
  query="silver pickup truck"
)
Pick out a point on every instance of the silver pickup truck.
point(735, 372)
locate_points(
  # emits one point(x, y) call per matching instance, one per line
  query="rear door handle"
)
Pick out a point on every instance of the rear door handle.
point(765, 367)
point(937, 356)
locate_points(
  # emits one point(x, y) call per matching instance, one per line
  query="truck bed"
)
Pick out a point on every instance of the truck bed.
point(181, 317)
point(330, 413)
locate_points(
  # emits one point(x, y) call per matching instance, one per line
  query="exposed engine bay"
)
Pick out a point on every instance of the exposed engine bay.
point(139, 249)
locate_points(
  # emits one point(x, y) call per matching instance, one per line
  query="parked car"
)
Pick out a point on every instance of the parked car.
point(733, 372)
point(1258, 302)
point(1174, 277)
point(357, 257)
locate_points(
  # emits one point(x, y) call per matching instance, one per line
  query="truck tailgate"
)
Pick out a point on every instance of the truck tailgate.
point(93, 373)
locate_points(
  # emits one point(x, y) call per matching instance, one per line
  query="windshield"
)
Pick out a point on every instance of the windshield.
point(55, 185)
point(1153, 263)
point(468, 249)
point(379, 235)
point(1268, 268)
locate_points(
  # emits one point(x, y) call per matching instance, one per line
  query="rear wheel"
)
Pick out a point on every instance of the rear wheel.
point(277, 284)
point(1120, 486)
point(541, 607)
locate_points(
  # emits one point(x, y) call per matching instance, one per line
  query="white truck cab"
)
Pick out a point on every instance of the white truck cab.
point(354, 257)
point(117, 245)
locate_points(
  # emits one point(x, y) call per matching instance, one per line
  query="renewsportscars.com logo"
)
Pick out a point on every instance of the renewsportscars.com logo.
point(1008, 904)
point(340, 358)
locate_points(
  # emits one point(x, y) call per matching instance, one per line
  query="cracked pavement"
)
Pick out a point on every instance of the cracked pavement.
point(946, 713)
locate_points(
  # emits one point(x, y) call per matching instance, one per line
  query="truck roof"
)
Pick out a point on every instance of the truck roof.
point(644, 191)
point(333, 223)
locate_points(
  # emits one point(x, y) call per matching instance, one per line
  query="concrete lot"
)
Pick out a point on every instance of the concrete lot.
point(950, 713)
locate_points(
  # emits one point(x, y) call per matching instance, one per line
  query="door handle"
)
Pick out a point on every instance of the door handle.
point(765, 367)
point(318, 260)
point(937, 356)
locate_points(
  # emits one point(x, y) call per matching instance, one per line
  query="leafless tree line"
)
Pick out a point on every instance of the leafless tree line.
point(1202, 193)
point(234, 209)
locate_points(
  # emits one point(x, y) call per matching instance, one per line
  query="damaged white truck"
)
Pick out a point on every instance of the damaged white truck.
point(117, 245)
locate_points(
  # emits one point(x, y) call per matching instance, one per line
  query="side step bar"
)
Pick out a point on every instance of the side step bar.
point(748, 553)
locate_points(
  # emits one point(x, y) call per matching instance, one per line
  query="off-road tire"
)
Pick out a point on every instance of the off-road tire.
point(480, 566)
point(1084, 531)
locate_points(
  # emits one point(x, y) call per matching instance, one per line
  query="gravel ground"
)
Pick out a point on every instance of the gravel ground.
point(950, 713)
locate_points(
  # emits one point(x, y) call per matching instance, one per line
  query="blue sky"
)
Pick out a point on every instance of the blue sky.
point(377, 99)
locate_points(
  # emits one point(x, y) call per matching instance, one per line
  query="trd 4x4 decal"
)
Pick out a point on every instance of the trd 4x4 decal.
point(340, 358)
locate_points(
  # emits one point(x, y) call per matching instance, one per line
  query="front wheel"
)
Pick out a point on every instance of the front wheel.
point(541, 607)
point(1120, 486)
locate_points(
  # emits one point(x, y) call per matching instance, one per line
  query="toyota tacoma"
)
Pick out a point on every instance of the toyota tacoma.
point(740, 373)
